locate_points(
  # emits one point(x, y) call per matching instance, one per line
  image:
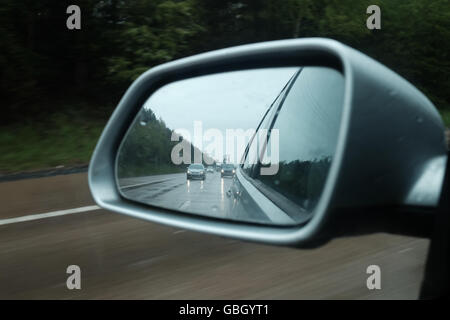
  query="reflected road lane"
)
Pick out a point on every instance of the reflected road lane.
point(177, 193)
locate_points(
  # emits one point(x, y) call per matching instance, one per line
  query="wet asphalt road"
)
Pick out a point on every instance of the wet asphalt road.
point(174, 191)
point(124, 258)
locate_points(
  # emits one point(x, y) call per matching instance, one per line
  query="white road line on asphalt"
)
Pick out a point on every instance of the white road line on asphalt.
point(48, 215)
point(144, 183)
point(185, 204)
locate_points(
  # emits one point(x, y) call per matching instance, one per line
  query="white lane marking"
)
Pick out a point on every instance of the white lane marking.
point(48, 215)
point(405, 250)
point(147, 262)
point(185, 204)
point(179, 231)
point(144, 183)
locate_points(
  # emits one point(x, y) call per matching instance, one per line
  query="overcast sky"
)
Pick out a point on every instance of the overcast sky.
point(232, 100)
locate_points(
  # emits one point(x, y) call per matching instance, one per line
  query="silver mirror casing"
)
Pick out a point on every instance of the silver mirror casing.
point(390, 151)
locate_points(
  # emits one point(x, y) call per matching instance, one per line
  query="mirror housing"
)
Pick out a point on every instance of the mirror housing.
point(390, 153)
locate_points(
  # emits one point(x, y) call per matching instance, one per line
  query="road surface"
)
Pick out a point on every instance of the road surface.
point(174, 191)
point(125, 258)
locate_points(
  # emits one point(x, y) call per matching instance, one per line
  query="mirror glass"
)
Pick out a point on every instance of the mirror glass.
point(250, 145)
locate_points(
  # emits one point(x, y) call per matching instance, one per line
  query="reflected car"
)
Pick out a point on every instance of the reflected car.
point(196, 171)
point(228, 170)
point(210, 169)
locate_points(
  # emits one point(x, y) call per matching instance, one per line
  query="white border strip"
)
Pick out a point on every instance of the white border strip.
point(48, 215)
point(272, 211)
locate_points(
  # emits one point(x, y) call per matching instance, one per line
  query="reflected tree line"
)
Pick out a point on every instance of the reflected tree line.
point(301, 181)
point(146, 149)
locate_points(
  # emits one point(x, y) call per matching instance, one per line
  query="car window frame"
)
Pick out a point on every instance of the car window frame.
point(292, 209)
point(268, 115)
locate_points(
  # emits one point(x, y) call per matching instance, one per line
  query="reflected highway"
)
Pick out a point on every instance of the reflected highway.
point(125, 258)
point(174, 191)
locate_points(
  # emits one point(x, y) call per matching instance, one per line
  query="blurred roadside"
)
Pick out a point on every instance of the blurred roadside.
point(59, 86)
point(42, 166)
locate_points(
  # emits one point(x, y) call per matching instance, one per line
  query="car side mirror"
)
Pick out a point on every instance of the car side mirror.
point(324, 131)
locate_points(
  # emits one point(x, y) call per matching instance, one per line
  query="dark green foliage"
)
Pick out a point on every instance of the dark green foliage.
point(46, 69)
point(313, 175)
point(147, 148)
point(43, 64)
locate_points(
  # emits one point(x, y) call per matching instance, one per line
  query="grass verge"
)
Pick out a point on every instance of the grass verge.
point(63, 140)
point(58, 141)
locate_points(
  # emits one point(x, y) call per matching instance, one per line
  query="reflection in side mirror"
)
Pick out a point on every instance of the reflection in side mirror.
point(252, 145)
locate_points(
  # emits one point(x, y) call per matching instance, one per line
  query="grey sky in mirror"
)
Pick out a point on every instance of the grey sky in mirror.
point(222, 101)
point(317, 108)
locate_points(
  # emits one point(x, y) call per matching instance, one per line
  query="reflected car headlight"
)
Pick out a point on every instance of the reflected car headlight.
point(189, 171)
point(233, 171)
point(222, 171)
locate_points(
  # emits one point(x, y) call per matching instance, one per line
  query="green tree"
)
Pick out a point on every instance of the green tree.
point(153, 32)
